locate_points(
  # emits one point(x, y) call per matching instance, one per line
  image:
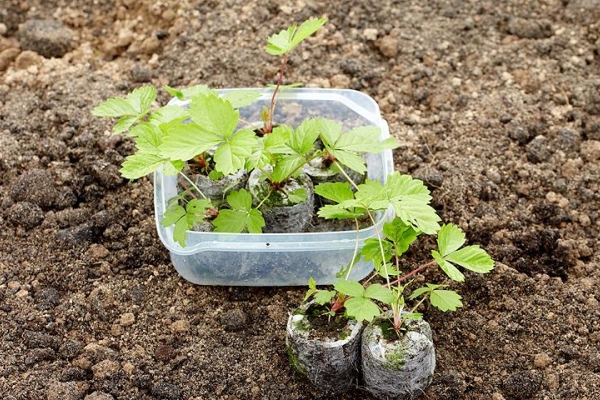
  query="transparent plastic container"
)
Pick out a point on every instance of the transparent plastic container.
point(280, 259)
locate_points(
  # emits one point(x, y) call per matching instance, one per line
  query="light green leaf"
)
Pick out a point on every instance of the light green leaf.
point(335, 191)
point(241, 98)
point(307, 28)
point(287, 167)
point(172, 168)
point(242, 217)
point(330, 131)
point(124, 123)
point(214, 115)
point(361, 309)
point(401, 234)
point(350, 160)
point(302, 141)
point(276, 141)
point(113, 108)
point(189, 92)
point(445, 300)
point(424, 290)
point(147, 137)
point(324, 296)
point(373, 195)
point(380, 293)
point(186, 141)
point(338, 211)
point(231, 156)
point(173, 214)
point(198, 206)
point(450, 270)
point(179, 231)
point(349, 288)
point(297, 196)
point(140, 164)
point(363, 139)
point(472, 258)
point(168, 114)
point(141, 99)
point(371, 251)
point(284, 41)
point(450, 238)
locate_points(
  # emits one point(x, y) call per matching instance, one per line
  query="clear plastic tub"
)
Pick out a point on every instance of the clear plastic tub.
point(280, 259)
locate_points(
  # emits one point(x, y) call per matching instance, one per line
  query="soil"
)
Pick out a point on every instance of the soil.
point(497, 106)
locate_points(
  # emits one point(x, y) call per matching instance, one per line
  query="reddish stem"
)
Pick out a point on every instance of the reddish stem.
point(269, 124)
point(412, 273)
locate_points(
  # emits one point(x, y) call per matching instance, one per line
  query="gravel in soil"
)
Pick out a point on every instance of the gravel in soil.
point(496, 105)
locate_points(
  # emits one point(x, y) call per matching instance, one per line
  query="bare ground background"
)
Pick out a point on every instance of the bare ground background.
point(497, 106)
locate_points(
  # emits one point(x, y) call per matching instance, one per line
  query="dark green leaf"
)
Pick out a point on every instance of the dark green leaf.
point(450, 270)
point(335, 191)
point(450, 238)
point(472, 258)
point(361, 309)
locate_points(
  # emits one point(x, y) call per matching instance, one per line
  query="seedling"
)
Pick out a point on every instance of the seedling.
point(413, 217)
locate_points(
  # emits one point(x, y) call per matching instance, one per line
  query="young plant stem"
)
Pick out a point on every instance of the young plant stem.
point(412, 273)
point(337, 164)
point(265, 199)
point(184, 176)
point(269, 127)
point(379, 239)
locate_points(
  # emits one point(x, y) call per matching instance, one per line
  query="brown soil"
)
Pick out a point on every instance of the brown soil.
point(497, 106)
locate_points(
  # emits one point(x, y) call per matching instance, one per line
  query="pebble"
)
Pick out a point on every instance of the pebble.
point(7, 56)
point(98, 352)
point(180, 326)
point(45, 37)
point(127, 319)
point(70, 349)
point(590, 150)
point(35, 186)
point(234, 320)
point(164, 352)
point(522, 384)
point(530, 28)
point(3, 29)
point(97, 251)
point(538, 150)
point(107, 174)
point(340, 81)
point(66, 390)
point(167, 391)
point(24, 214)
point(370, 34)
point(99, 396)
point(105, 369)
point(27, 60)
point(388, 46)
point(541, 360)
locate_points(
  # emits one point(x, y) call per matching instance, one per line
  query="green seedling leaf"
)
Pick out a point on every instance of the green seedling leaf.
point(287, 167)
point(312, 288)
point(303, 140)
point(148, 137)
point(361, 309)
point(231, 156)
point(186, 141)
point(124, 124)
point(380, 293)
point(338, 211)
point(283, 42)
point(142, 98)
point(445, 300)
point(335, 191)
point(472, 258)
point(324, 296)
point(387, 270)
point(297, 196)
point(241, 98)
point(140, 164)
point(184, 219)
point(450, 270)
point(214, 114)
point(425, 290)
point(410, 199)
point(168, 114)
point(371, 251)
point(450, 238)
point(401, 234)
point(113, 108)
point(373, 195)
point(188, 92)
point(242, 217)
point(349, 288)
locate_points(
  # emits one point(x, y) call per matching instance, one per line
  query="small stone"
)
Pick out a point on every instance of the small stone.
point(106, 173)
point(127, 319)
point(3, 29)
point(388, 45)
point(98, 352)
point(45, 37)
point(164, 352)
point(97, 251)
point(140, 74)
point(150, 45)
point(28, 59)
point(340, 81)
point(590, 150)
point(234, 320)
point(166, 391)
point(7, 56)
point(538, 150)
point(370, 34)
point(99, 396)
point(180, 326)
point(24, 214)
point(530, 28)
point(541, 360)
point(66, 390)
point(70, 349)
point(105, 369)
point(522, 384)
point(35, 186)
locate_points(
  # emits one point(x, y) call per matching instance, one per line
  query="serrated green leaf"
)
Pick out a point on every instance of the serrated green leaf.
point(445, 300)
point(197, 206)
point(349, 288)
point(306, 29)
point(401, 234)
point(410, 199)
point(141, 99)
point(186, 141)
point(297, 196)
point(168, 114)
point(373, 195)
point(472, 258)
point(335, 191)
point(173, 214)
point(148, 137)
point(173, 92)
point(124, 123)
point(275, 142)
point(214, 115)
point(350, 160)
point(172, 168)
point(287, 167)
point(113, 108)
point(231, 156)
point(371, 251)
point(140, 164)
point(180, 230)
point(324, 296)
point(380, 293)
point(450, 238)
point(450, 270)
point(233, 221)
point(387, 270)
point(240, 200)
point(302, 141)
point(241, 98)
point(363, 139)
point(361, 309)
point(423, 290)
point(330, 131)
point(242, 217)
point(337, 211)
point(312, 289)
point(255, 221)
point(283, 42)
